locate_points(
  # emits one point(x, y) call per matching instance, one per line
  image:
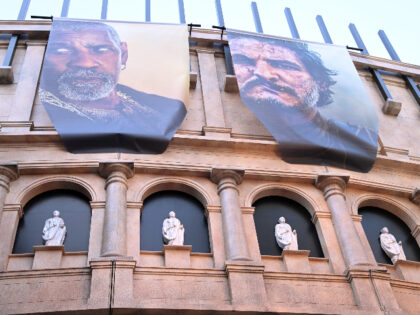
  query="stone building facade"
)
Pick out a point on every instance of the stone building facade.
point(224, 158)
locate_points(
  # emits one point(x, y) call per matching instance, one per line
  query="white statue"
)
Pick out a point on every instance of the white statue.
point(54, 231)
point(390, 246)
point(285, 237)
point(173, 230)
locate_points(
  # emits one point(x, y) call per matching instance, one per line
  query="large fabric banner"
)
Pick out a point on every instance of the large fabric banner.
point(309, 97)
point(115, 86)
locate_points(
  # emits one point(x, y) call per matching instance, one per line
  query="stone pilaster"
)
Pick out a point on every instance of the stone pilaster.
point(8, 173)
point(213, 107)
point(415, 196)
point(19, 119)
point(233, 229)
point(333, 188)
point(115, 227)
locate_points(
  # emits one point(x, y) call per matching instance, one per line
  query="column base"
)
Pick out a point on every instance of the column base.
point(371, 288)
point(246, 284)
point(47, 257)
point(177, 256)
point(111, 282)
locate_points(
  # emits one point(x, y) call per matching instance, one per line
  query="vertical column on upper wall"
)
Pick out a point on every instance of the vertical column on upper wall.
point(9, 216)
point(212, 100)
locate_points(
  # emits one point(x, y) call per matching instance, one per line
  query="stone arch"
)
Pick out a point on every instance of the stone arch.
point(282, 190)
point(178, 184)
point(387, 204)
point(266, 240)
point(53, 183)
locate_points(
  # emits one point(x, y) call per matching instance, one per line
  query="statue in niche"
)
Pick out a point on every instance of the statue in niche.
point(173, 230)
point(54, 231)
point(390, 246)
point(285, 237)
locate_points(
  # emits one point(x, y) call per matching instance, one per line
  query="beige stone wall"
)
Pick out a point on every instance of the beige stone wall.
point(223, 156)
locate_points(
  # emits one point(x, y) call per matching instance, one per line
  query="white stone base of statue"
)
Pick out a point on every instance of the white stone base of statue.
point(47, 257)
point(296, 261)
point(177, 256)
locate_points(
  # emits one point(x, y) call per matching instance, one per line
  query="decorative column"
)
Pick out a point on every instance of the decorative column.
point(10, 218)
point(233, 230)
point(333, 188)
point(8, 172)
point(246, 281)
point(114, 229)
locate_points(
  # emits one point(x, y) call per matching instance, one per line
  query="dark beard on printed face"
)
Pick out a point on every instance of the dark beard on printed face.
point(291, 115)
point(85, 85)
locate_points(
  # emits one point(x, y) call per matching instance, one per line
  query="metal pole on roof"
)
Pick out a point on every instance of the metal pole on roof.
point(323, 29)
point(65, 8)
point(148, 5)
point(181, 10)
point(291, 22)
point(257, 20)
point(375, 73)
point(104, 10)
point(391, 51)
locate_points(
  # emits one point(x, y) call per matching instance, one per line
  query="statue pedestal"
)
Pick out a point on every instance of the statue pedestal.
point(47, 257)
point(112, 276)
point(296, 261)
point(408, 270)
point(177, 256)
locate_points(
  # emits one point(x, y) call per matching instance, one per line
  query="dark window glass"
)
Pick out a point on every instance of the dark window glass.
point(268, 210)
point(374, 219)
point(188, 210)
point(74, 210)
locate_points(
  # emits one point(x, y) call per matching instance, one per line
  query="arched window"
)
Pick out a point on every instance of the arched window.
point(267, 212)
point(188, 210)
point(74, 210)
point(374, 219)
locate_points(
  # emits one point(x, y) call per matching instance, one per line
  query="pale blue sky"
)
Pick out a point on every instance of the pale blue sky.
point(399, 19)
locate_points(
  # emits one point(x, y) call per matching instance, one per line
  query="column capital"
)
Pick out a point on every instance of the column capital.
point(106, 168)
point(331, 184)
point(415, 196)
point(10, 170)
point(219, 173)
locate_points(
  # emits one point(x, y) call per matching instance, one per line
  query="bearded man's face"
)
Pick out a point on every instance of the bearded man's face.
point(269, 73)
point(83, 65)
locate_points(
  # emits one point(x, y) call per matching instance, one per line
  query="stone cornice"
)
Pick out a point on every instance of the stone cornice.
point(10, 170)
point(415, 196)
